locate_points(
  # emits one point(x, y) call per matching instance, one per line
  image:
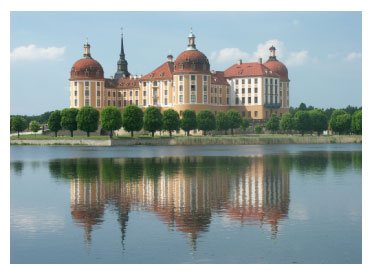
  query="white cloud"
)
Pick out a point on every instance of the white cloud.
point(32, 52)
point(229, 55)
point(295, 21)
point(296, 58)
point(353, 55)
point(264, 52)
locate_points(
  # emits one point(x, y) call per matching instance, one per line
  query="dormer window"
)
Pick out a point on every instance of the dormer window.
point(204, 67)
point(181, 66)
point(193, 66)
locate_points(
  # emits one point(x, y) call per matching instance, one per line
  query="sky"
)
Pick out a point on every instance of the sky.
point(322, 50)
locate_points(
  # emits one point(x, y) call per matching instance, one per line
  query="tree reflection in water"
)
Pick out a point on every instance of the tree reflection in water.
point(185, 192)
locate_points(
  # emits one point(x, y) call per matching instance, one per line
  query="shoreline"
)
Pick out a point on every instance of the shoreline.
point(196, 140)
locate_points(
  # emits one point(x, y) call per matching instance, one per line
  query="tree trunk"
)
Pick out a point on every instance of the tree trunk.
point(204, 133)
point(170, 133)
point(55, 133)
point(188, 133)
point(231, 131)
point(71, 133)
point(152, 133)
point(110, 135)
point(88, 134)
point(131, 133)
point(225, 132)
point(18, 133)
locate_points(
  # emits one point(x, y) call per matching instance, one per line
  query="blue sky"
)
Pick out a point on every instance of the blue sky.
point(322, 50)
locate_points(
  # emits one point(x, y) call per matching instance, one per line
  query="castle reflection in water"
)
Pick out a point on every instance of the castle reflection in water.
point(184, 192)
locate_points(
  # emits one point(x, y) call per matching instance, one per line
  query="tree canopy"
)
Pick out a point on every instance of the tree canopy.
point(18, 124)
point(54, 122)
point(132, 119)
point(340, 121)
point(34, 126)
point(287, 122)
point(357, 122)
point(87, 119)
point(319, 120)
point(234, 119)
point(188, 121)
point(245, 124)
point(69, 119)
point(111, 119)
point(171, 121)
point(206, 121)
point(302, 121)
point(222, 122)
point(152, 120)
point(273, 124)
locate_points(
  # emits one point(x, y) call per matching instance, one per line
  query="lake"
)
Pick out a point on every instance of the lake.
point(186, 204)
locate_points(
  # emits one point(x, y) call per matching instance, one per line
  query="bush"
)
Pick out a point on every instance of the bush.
point(87, 119)
point(18, 124)
point(132, 119)
point(152, 120)
point(273, 123)
point(234, 119)
point(111, 119)
point(171, 121)
point(54, 122)
point(245, 124)
point(188, 121)
point(258, 129)
point(69, 119)
point(206, 121)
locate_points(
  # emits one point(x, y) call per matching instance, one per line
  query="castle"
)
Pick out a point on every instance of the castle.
point(255, 89)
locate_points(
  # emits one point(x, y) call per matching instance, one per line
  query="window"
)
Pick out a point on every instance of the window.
point(165, 92)
point(205, 99)
point(243, 113)
point(256, 90)
point(271, 81)
point(119, 94)
point(86, 83)
point(181, 98)
point(124, 93)
point(165, 101)
point(109, 94)
point(249, 100)
point(86, 93)
point(75, 103)
point(249, 81)
point(215, 100)
point(255, 113)
point(237, 100)
point(243, 90)
point(181, 66)
point(275, 81)
point(114, 94)
point(249, 114)
point(114, 102)
point(181, 87)
point(144, 102)
point(243, 100)
point(193, 66)
point(255, 80)
point(75, 93)
point(256, 100)
point(124, 103)
point(220, 100)
point(109, 102)
point(236, 81)
point(236, 90)
point(98, 83)
point(144, 93)
point(193, 77)
point(215, 89)
point(204, 78)
point(227, 100)
point(165, 83)
point(243, 81)
point(193, 88)
point(119, 103)
point(130, 102)
point(181, 78)
point(155, 83)
point(86, 102)
point(221, 90)
point(204, 67)
point(98, 93)
point(144, 84)
point(205, 88)
point(249, 90)
point(131, 93)
point(75, 83)
point(136, 102)
point(136, 93)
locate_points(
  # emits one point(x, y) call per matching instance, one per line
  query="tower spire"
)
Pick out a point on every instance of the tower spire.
point(122, 43)
point(272, 56)
point(191, 40)
point(122, 64)
point(86, 49)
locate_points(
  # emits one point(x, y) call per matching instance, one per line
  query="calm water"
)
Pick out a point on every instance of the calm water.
point(186, 204)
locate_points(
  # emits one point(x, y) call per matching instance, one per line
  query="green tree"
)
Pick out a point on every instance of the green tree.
point(111, 119)
point(234, 119)
point(69, 119)
point(87, 119)
point(302, 121)
point(273, 124)
point(54, 122)
point(258, 129)
point(153, 120)
point(340, 121)
point(171, 121)
point(132, 119)
point(34, 126)
point(245, 124)
point(206, 121)
point(188, 121)
point(357, 122)
point(287, 122)
point(222, 122)
point(18, 124)
point(302, 106)
point(319, 120)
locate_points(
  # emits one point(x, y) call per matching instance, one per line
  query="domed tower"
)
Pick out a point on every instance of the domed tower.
point(276, 66)
point(122, 64)
point(86, 81)
point(192, 77)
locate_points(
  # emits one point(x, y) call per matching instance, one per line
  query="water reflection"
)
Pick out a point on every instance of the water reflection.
point(187, 192)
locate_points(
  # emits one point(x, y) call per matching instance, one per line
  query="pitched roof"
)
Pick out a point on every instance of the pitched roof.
point(217, 77)
point(162, 72)
point(249, 69)
point(122, 83)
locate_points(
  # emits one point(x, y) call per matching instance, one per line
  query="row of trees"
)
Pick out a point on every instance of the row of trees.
point(316, 121)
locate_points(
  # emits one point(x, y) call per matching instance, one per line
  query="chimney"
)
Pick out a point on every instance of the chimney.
point(239, 62)
point(260, 60)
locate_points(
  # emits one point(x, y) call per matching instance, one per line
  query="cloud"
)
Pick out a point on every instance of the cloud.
point(229, 55)
point(295, 22)
point(32, 52)
point(353, 55)
point(296, 58)
point(264, 52)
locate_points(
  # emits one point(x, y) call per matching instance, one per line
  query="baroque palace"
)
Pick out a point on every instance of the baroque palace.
point(255, 89)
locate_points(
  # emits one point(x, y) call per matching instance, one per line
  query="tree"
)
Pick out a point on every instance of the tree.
point(357, 122)
point(69, 119)
point(302, 106)
point(319, 120)
point(302, 121)
point(222, 122)
point(287, 122)
point(188, 121)
point(34, 126)
point(54, 121)
point(171, 121)
point(19, 124)
point(206, 121)
point(111, 119)
point(153, 120)
point(234, 119)
point(340, 121)
point(245, 124)
point(273, 124)
point(258, 129)
point(87, 119)
point(132, 119)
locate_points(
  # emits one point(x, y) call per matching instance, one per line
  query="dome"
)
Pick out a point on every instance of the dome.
point(279, 68)
point(87, 68)
point(192, 61)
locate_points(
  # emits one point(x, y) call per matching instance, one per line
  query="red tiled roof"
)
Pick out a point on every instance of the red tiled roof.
point(217, 77)
point(249, 69)
point(189, 57)
point(86, 68)
point(279, 68)
point(162, 72)
point(122, 83)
